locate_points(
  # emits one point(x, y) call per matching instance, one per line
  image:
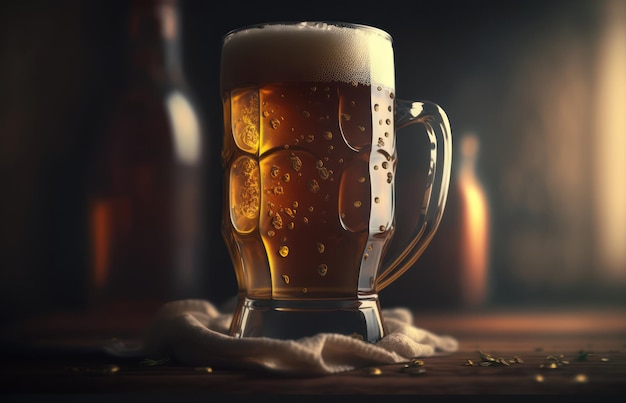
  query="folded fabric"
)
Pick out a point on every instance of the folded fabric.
point(195, 332)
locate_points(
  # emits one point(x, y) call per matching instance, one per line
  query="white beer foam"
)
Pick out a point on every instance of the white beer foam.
point(308, 51)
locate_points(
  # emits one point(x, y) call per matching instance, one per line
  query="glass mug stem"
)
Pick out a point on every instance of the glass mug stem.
point(309, 159)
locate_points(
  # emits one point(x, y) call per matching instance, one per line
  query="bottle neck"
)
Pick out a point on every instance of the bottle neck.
point(154, 42)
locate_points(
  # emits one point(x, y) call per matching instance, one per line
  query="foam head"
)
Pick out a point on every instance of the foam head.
point(307, 51)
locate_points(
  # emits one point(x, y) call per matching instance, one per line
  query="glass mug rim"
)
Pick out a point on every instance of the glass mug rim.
point(311, 24)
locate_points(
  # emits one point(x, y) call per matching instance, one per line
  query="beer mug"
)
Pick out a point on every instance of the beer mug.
point(309, 157)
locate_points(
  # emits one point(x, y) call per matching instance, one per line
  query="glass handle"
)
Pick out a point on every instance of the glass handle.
point(435, 121)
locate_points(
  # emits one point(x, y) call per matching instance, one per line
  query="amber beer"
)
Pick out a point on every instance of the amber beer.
point(309, 161)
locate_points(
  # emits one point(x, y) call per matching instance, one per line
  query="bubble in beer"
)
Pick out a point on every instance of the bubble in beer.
point(245, 119)
point(285, 278)
point(283, 251)
point(322, 269)
point(244, 194)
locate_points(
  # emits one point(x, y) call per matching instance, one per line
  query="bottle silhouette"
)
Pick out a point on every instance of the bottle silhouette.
point(146, 187)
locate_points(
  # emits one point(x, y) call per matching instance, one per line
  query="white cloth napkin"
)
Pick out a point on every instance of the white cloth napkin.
point(195, 332)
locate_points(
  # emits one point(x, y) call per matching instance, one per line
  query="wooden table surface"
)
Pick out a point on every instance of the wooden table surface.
point(573, 352)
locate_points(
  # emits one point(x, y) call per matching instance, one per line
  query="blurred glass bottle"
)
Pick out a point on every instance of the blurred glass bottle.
point(453, 273)
point(146, 186)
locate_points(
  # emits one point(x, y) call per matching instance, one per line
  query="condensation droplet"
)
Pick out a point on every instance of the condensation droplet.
point(306, 114)
point(346, 116)
point(376, 199)
point(376, 107)
point(290, 212)
point(310, 138)
point(324, 173)
point(296, 162)
point(314, 186)
point(271, 233)
point(361, 179)
point(382, 228)
point(328, 135)
point(366, 256)
point(274, 123)
point(283, 250)
point(385, 164)
point(291, 225)
point(322, 269)
point(277, 221)
point(285, 278)
point(305, 290)
point(381, 142)
point(321, 247)
point(357, 204)
point(274, 171)
point(361, 128)
point(286, 177)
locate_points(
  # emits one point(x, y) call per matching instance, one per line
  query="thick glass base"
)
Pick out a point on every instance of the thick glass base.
point(296, 319)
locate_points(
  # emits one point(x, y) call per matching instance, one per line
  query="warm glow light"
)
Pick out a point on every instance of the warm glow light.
point(610, 143)
point(186, 128)
point(476, 226)
point(101, 229)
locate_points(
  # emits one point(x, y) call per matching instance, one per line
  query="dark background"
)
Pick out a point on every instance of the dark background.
point(519, 75)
